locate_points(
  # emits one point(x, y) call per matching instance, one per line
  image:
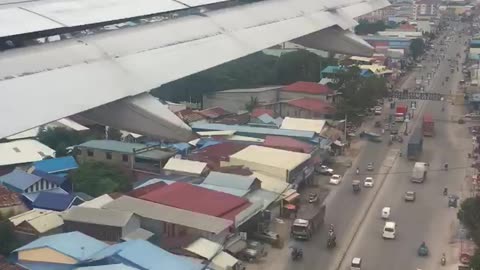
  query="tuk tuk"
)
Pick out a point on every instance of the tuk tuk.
point(356, 264)
point(422, 250)
point(356, 186)
point(386, 212)
point(453, 201)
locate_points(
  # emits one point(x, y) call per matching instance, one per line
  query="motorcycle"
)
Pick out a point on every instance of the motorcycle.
point(445, 192)
point(297, 254)
point(331, 243)
point(312, 197)
point(443, 260)
point(357, 171)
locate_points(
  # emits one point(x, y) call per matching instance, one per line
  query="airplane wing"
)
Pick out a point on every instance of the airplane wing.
point(47, 82)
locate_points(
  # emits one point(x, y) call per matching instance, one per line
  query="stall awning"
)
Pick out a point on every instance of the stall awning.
point(292, 197)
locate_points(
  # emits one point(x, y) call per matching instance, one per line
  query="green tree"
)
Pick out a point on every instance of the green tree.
point(365, 27)
point(8, 241)
point(296, 66)
point(60, 138)
point(417, 47)
point(469, 216)
point(252, 104)
point(114, 134)
point(97, 178)
point(475, 260)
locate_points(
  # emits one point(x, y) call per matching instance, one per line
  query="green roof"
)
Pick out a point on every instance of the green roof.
point(126, 148)
point(332, 69)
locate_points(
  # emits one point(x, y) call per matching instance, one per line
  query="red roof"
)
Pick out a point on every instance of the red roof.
point(197, 199)
point(139, 192)
point(427, 118)
point(214, 154)
point(215, 112)
point(309, 88)
point(313, 105)
point(8, 198)
point(261, 111)
point(190, 116)
point(287, 143)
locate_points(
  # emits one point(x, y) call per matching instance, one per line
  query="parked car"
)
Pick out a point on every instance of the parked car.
point(335, 179)
point(324, 170)
point(409, 196)
point(368, 182)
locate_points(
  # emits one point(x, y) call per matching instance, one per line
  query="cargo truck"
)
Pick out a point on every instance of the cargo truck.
point(419, 173)
point(415, 145)
point(400, 113)
point(309, 219)
point(428, 126)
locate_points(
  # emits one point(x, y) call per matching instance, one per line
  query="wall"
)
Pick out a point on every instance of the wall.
point(285, 95)
point(99, 155)
point(132, 225)
point(235, 102)
point(286, 110)
point(100, 232)
point(45, 255)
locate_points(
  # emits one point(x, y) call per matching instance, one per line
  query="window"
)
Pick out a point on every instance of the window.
point(108, 155)
point(125, 158)
point(90, 153)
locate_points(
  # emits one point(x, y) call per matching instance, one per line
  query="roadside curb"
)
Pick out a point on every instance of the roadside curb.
point(358, 225)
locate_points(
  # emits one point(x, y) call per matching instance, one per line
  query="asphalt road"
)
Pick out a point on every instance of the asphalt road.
point(428, 218)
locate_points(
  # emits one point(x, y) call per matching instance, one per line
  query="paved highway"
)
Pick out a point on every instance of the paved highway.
point(428, 218)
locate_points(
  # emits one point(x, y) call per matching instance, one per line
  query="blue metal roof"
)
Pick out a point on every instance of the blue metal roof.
point(53, 201)
point(56, 165)
point(33, 196)
point(332, 69)
point(142, 254)
point(19, 180)
point(52, 178)
point(260, 131)
point(119, 266)
point(74, 244)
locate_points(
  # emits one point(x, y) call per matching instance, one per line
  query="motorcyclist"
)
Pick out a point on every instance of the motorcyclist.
point(423, 244)
point(446, 166)
point(445, 191)
point(358, 170)
point(443, 260)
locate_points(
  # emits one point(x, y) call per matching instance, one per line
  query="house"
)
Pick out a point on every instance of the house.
point(58, 250)
point(186, 166)
point(23, 182)
point(55, 201)
point(98, 202)
point(102, 224)
point(123, 153)
point(190, 116)
point(21, 152)
point(237, 185)
point(288, 144)
point(213, 255)
point(29, 198)
point(10, 202)
point(197, 199)
point(306, 90)
point(142, 255)
point(59, 180)
point(303, 124)
point(215, 113)
point(57, 166)
point(36, 223)
point(292, 167)
point(172, 225)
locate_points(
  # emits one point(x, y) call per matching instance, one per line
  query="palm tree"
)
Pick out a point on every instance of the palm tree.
point(252, 104)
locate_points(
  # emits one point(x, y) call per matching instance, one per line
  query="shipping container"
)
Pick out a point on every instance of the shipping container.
point(415, 145)
point(428, 126)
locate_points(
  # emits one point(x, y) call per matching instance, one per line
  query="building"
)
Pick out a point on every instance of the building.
point(303, 124)
point(56, 166)
point(173, 226)
point(98, 202)
point(424, 9)
point(184, 166)
point(55, 201)
point(288, 144)
point(310, 108)
point(234, 100)
point(59, 250)
point(291, 167)
point(139, 254)
point(131, 155)
point(102, 224)
point(215, 113)
point(213, 255)
point(23, 182)
point(36, 223)
point(23, 152)
point(10, 202)
point(306, 90)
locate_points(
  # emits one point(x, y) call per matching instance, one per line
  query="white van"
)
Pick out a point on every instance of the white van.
point(389, 230)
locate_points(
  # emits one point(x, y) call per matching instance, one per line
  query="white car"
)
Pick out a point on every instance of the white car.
point(335, 179)
point(368, 182)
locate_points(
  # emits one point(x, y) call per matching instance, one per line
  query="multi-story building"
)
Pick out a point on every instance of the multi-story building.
point(424, 9)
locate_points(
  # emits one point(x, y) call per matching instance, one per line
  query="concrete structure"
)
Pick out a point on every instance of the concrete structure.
point(36, 223)
point(424, 9)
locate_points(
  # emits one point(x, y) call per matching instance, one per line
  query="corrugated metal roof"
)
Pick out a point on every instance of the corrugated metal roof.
point(197, 199)
point(170, 214)
point(74, 244)
point(229, 180)
point(289, 144)
point(98, 202)
point(204, 248)
point(23, 151)
point(41, 220)
point(107, 217)
point(146, 256)
point(19, 180)
point(119, 266)
point(184, 165)
point(53, 201)
point(231, 191)
point(33, 195)
point(314, 105)
point(309, 88)
point(56, 165)
point(126, 148)
point(263, 196)
point(271, 157)
point(272, 184)
point(9, 198)
point(138, 234)
point(223, 261)
point(52, 178)
point(312, 125)
point(245, 130)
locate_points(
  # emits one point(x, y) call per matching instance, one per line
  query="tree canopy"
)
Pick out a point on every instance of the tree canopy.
point(97, 178)
point(60, 138)
point(357, 93)
point(8, 241)
point(251, 71)
point(469, 216)
point(365, 27)
point(417, 47)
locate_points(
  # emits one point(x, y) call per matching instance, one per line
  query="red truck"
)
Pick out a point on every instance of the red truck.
point(428, 126)
point(401, 113)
